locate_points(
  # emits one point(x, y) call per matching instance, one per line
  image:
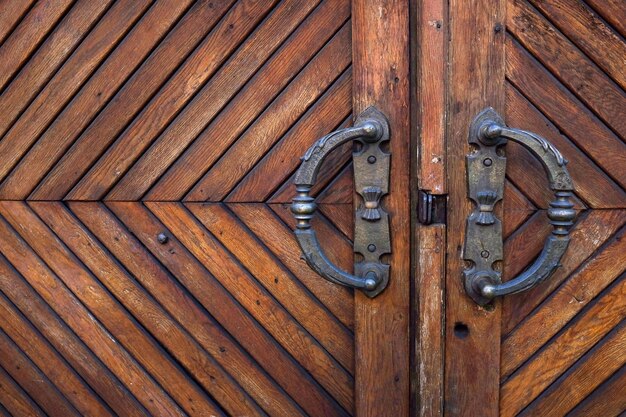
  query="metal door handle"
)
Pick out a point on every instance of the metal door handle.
point(483, 238)
point(371, 177)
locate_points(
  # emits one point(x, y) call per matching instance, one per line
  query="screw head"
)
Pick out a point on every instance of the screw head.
point(484, 254)
point(371, 247)
point(487, 162)
point(162, 238)
point(371, 159)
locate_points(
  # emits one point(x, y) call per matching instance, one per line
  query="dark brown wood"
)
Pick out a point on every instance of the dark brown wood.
point(380, 52)
point(15, 400)
point(606, 400)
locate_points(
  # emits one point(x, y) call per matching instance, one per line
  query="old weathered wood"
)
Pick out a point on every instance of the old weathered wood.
point(606, 400)
point(380, 52)
point(476, 80)
point(15, 400)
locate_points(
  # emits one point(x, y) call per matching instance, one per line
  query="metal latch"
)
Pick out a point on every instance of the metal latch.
point(431, 208)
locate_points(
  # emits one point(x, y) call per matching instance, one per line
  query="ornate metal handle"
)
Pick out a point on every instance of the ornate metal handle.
point(483, 239)
point(371, 172)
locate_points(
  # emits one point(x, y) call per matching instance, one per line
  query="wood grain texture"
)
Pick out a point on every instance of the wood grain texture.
point(476, 77)
point(381, 78)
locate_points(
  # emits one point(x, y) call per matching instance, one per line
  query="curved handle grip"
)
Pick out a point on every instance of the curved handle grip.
point(488, 132)
point(371, 179)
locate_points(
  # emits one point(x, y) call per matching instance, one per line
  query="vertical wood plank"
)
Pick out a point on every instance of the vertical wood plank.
point(476, 80)
point(429, 292)
point(381, 78)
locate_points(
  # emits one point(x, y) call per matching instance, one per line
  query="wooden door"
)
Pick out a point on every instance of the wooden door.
point(555, 68)
point(148, 264)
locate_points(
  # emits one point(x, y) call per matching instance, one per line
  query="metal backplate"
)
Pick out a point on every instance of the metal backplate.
point(483, 234)
point(371, 224)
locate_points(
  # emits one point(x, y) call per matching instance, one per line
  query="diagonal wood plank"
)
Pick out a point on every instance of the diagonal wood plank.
point(165, 288)
point(606, 400)
point(133, 96)
point(50, 101)
point(277, 74)
point(552, 315)
point(188, 264)
point(11, 15)
point(568, 63)
point(268, 228)
point(298, 96)
point(50, 55)
point(43, 355)
point(612, 11)
point(248, 59)
point(67, 343)
point(32, 380)
point(586, 375)
point(27, 36)
point(202, 367)
point(606, 312)
point(74, 313)
point(588, 234)
point(15, 400)
point(107, 309)
point(92, 98)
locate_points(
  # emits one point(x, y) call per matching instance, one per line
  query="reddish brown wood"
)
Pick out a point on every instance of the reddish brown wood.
point(50, 55)
point(568, 63)
point(12, 12)
point(15, 400)
point(238, 315)
point(430, 340)
point(42, 354)
point(476, 80)
point(612, 11)
point(380, 52)
point(58, 92)
point(605, 313)
point(606, 400)
point(133, 96)
point(27, 36)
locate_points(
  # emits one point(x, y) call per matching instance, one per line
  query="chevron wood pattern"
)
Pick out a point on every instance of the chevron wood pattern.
point(120, 292)
point(563, 342)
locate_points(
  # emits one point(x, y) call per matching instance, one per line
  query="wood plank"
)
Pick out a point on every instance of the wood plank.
point(612, 11)
point(284, 111)
point(476, 80)
point(148, 312)
point(275, 168)
point(48, 360)
point(267, 83)
point(516, 209)
point(16, 401)
point(544, 368)
point(32, 380)
point(48, 58)
point(288, 324)
point(341, 216)
point(12, 13)
point(281, 241)
point(606, 400)
point(50, 101)
point(92, 98)
point(568, 63)
point(74, 351)
point(591, 184)
point(584, 285)
point(216, 94)
point(577, 383)
point(588, 234)
point(289, 292)
point(28, 35)
point(432, 56)
point(549, 96)
point(228, 311)
point(330, 168)
point(584, 28)
point(185, 309)
point(430, 339)
point(76, 315)
point(144, 83)
point(380, 53)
